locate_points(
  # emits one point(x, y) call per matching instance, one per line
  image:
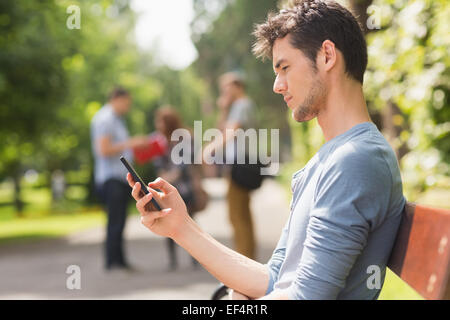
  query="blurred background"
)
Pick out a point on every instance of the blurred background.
point(53, 79)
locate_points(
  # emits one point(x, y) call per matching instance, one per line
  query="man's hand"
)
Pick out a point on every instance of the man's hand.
point(228, 266)
point(172, 218)
point(108, 149)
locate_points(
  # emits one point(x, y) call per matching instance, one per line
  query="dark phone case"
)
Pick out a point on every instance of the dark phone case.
point(137, 178)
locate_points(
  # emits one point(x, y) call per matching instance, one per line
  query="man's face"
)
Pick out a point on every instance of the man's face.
point(228, 90)
point(297, 80)
point(121, 104)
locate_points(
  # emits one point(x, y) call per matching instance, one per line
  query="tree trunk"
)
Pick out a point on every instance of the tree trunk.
point(18, 203)
point(92, 197)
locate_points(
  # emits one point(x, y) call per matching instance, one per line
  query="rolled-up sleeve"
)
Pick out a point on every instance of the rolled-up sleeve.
point(277, 259)
point(329, 252)
point(347, 206)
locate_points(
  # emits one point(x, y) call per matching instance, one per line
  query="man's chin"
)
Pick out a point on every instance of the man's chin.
point(297, 117)
point(301, 117)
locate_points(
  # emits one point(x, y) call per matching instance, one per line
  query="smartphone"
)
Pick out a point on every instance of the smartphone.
point(137, 178)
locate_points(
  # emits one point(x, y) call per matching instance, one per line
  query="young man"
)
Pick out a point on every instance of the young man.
point(236, 112)
point(347, 201)
point(110, 139)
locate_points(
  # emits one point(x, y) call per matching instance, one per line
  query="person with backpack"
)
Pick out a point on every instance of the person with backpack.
point(237, 111)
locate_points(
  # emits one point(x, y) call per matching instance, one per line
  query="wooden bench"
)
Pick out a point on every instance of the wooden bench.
point(421, 252)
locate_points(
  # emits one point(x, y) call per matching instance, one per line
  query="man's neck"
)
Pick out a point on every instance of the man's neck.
point(344, 108)
point(238, 96)
point(115, 110)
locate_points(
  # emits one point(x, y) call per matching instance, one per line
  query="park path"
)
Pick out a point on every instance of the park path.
point(38, 270)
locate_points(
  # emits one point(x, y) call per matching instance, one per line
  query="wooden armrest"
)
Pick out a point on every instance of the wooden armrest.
point(421, 252)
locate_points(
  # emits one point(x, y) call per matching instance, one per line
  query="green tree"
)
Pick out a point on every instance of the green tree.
point(408, 72)
point(406, 87)
point(33, 43)
point(53, 79)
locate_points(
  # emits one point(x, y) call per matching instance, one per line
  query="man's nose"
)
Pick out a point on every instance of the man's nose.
point(279, 86)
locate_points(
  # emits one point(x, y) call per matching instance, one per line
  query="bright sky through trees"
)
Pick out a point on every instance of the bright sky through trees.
point(164, 28)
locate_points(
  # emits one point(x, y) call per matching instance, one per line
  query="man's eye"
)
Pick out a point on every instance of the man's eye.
point(285, 68)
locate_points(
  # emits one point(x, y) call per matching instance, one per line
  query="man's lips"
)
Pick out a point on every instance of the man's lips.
point(287, 99)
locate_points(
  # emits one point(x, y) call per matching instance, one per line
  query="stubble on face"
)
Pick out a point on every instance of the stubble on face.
point(312, 104)
point(303, 77)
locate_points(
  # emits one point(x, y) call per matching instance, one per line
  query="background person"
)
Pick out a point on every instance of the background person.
point(236, 111)
point(110, 140)
point(186, 177)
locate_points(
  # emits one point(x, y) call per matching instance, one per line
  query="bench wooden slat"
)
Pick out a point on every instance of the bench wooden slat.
point(421, 252)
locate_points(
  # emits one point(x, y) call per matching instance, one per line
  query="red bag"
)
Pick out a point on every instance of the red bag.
point(157, 146)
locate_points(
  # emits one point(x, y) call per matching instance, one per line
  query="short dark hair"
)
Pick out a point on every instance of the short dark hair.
point(118, 92)
point(233, 77)
point(310, 23)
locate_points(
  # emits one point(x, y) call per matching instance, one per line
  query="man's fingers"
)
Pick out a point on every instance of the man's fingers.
point(149, 219)
point(163, 185)
point(136, 192)
point(130, 180)
point(156, 194)
point(143, 204)
point(157, 214)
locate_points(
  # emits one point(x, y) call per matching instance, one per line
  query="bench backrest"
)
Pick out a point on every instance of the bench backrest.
point(421, 252)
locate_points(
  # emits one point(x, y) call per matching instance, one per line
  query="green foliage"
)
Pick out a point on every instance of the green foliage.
point(32, 80)
point(186, 92)
point(409, 66)
point(54, 79)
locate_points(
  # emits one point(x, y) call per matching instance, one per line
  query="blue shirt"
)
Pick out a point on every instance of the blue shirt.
point(345, 212)
point(242, 112)
point(107, 123)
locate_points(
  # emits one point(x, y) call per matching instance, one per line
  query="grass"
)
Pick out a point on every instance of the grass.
point(395, 288)
point(40, 218)
point(51, 226)
point(38, 202)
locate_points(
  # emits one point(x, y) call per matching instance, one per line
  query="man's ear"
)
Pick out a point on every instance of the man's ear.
point(328, 55)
